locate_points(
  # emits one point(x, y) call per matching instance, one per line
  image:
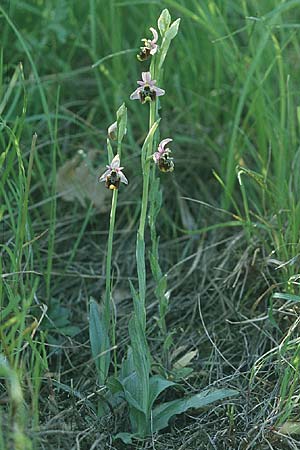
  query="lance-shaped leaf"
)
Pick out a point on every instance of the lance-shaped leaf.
point(169, 35)
point(157, 386)
point(109, 151)
point(165, 411)
point(163, 22)
point(99, 340)
point(140, 258)
point(141, 359)
point(122, 122)
point(148, 140)
point(133, 391)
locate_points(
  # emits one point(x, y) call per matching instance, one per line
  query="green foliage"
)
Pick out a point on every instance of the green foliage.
point(17, 412)
point(121, 122)
point(163, 22)
point(58, 321)
point(165, 411)
point(99, 340)
point(168, 36)
point(232, 107)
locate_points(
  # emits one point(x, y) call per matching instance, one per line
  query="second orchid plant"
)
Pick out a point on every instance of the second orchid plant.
point(134, 381)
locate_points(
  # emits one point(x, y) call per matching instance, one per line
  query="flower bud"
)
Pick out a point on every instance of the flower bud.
point(112, 131)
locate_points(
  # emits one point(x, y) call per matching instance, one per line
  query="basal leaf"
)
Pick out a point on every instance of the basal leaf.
point(164, 412)
point(125, 437)
point(133, 392)
point(141, 358)
point(288, 297)
point(114, 385)
point(99, 340)
point(157, 386)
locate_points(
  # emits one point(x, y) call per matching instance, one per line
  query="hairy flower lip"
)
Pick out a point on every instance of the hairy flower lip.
point(147, 89)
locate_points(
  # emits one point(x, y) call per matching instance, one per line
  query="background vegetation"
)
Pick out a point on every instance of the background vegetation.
point(229, 225)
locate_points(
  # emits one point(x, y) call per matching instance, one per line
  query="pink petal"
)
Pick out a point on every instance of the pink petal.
point(164, 142)
point(156, 157)
point(136, 94)
point(159, 91)
point(103, 177)
point(123, 178)
point(155, 35)
point(146, 77)
point(115, 164)
point(154, 48)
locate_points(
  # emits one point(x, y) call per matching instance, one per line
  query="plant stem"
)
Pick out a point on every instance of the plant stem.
point(107, 309)
point(146, 174)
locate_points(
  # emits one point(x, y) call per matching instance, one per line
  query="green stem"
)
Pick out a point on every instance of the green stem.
point(109, 256)
point(108, 298)
point(140, 252)
point(146, 174)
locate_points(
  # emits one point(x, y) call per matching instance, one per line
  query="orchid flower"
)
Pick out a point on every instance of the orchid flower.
point(113, 175)
point(147, 90)
point(162, 157)
point(150, 46)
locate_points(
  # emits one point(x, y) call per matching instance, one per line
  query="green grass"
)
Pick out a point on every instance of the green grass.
point(228, 227)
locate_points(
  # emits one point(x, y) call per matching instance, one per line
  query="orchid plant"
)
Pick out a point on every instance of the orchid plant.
point(134, 382)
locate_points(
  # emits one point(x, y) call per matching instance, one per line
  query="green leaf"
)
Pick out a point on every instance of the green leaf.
point(133, 392)
point(271, 316)
point(114, 385)
point(288, 297)
point(155, 198)
point(110, 152)
point(164, 412)
point(141, 359)
point(148, 139)
point(57, 320)
point(157, 386)
point(170, 34)
point(173, 30)
point(290, 428)
point(139, 307)
point(99, 340)
point(164, 21)
point(125, 437)
point(182, 374)
point(122, 122)
point(140, 259)
point(70, 330)
point(2, 210)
